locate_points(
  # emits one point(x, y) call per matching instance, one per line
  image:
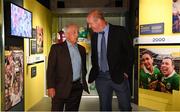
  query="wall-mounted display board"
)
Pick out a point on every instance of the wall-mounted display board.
point(159, 76)
point(34, 33)
point(21, 22)
point(33, 71)
point(157, 57)
point(36, 42)
point(33, 46)
point(159, 69)
point(14, 77)
point(150, 40)
point(35, 59)
point(39, 39)
point(175, 16)
point(156, 28)
point(33, 42)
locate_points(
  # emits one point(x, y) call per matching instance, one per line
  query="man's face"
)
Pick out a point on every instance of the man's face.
point(94, 24)
point(147, 61)
point(72, 34)
point(167, 67)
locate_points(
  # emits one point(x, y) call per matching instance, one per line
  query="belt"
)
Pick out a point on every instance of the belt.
point(76, 81)
point(104, 71)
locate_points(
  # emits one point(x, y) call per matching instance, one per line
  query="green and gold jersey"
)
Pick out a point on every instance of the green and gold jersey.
point(146, 78)
point(171, 83)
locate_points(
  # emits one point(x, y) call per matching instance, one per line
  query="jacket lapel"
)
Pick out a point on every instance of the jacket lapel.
point(109, 38)
point(67, 54)
point(96, 44)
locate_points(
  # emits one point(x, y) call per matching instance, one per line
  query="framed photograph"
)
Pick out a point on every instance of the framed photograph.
point(176, 16)
point(159, 69)
point(14, 80)
point(39, 39)
point(33, 46)
point(33, 71)
point(34, 33)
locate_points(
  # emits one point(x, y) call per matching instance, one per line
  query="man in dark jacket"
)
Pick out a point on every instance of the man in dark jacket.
point(66, 72)
point(112, 56)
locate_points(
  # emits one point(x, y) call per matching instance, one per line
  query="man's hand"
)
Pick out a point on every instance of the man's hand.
point(51, 92)
point(153, 85)
point(163, 88)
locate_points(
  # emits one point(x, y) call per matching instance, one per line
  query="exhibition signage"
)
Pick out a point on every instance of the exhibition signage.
point(157, 28)
point(157, 40)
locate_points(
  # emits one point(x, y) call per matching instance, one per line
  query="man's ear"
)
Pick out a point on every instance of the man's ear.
point(173, 66)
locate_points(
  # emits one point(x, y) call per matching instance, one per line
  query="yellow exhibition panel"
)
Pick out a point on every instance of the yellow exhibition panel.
point(150, 12)
point(156, 100)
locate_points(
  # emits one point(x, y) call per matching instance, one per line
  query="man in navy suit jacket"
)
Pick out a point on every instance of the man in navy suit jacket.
point(119, 57)
point(66, 72)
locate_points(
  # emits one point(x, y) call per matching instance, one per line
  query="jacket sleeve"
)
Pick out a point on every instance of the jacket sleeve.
point(51, 68)
point(85, 86)
point(84, 62)
point(129, 50)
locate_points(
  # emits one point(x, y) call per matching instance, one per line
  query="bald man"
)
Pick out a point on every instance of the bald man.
point(112, 58)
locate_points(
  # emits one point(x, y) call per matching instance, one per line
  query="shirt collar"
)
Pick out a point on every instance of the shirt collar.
point(70, 44)
point(170, 75)
point(147, 71)
point(106, 28)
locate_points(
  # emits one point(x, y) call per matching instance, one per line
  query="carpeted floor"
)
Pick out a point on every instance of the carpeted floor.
point(87, 104)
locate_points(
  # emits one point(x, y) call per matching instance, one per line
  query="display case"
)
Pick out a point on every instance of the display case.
point(12, 62)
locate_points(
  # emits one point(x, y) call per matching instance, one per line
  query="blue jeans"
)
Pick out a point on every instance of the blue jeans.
point(105, 87)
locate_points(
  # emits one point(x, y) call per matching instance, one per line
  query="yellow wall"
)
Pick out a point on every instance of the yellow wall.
point(34, 87)
point(0, 15)
point(157, 11)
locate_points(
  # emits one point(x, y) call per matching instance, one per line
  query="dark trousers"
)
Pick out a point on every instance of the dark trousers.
point(72, 102)
point(105, 87)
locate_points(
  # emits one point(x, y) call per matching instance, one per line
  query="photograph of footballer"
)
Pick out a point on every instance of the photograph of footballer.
point(159, 69)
